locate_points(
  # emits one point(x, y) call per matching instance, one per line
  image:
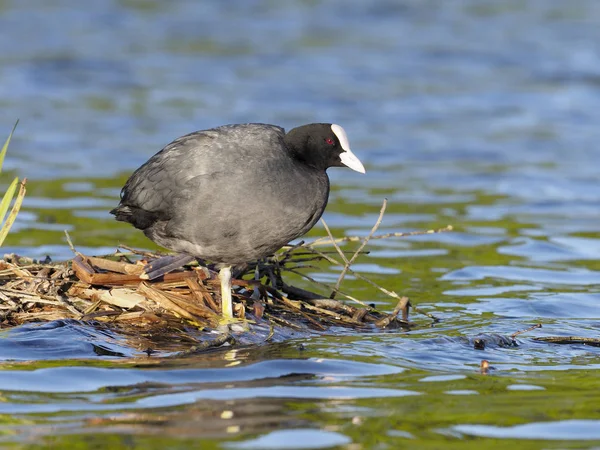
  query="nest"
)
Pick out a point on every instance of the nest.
point(109, 290)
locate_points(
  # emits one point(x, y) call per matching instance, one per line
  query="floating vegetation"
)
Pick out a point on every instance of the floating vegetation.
point(109, 289)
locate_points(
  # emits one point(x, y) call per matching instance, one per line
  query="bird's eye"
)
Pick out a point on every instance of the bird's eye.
point(329, 141)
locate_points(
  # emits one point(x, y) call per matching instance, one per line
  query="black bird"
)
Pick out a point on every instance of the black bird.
point(234, 193)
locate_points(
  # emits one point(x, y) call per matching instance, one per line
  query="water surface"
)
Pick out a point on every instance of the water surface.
point(483, 116)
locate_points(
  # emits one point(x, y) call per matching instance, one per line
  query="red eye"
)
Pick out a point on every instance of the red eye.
point(329, 141)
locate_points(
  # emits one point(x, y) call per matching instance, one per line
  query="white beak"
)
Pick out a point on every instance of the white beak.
point(348, 158)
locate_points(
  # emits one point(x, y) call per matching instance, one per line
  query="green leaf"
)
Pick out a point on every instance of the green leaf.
point(8, 196)
point(13, 213)
point(5, 146)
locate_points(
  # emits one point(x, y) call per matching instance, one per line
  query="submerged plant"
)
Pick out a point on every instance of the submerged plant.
point(9, 195)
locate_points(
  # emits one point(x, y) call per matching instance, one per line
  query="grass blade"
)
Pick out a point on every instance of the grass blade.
point(8, 196)
point(5, 146)
point(13, 212)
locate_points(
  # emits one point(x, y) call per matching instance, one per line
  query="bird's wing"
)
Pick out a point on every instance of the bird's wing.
point(173, 174)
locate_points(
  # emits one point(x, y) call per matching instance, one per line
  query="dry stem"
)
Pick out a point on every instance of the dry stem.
point(358, 252)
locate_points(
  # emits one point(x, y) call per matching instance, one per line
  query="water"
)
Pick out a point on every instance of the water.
point(479, 115)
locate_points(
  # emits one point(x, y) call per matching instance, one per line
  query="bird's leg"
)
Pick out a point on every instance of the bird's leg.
point(226, 302)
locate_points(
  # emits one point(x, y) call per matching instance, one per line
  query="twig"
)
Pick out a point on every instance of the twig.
point(221, 339)
point(328, 241)
point(364, 242)
point(594, 342)
point(271, 333)
point(300, 293)
point(67, 303)
point(431, 316)
point(26, 294)
point(337, 247)
point(533, 327)
point(71, 246)
point(299, 253)
point(328, 286)
point(282, 258)
point(170, 304)
point(402, 305)
point(359, 276)
point(331, 304)
point(281, 320)
point(367, 280)
point(298, 308)
point(140, 252)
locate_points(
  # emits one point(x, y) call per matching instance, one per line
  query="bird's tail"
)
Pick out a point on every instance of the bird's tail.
point(122, 213)
point(164, 265)
point(137, 217)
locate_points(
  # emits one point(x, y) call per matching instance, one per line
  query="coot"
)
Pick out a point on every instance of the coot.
point(234, 193)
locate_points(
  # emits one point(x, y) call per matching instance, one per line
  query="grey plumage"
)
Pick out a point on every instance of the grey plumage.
point(233, 194)
point(230, 195)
